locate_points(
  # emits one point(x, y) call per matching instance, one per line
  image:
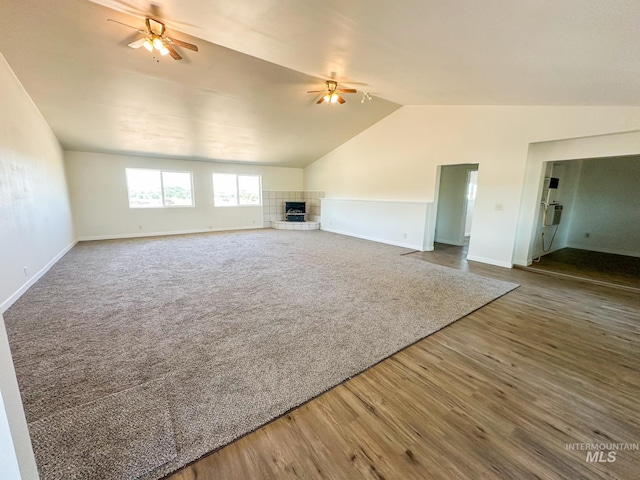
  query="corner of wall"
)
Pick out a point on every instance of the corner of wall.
point(16, 442)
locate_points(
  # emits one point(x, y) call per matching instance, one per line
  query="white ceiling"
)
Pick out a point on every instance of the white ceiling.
point(219, 104)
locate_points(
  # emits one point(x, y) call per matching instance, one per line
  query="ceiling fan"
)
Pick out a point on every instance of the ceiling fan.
point(155, 38)
point(332, 93)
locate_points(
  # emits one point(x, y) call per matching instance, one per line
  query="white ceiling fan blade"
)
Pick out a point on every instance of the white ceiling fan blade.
point(138, 43)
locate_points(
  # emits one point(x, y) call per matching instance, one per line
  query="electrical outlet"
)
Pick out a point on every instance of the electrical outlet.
point(499, 207)
point(139, 227)
point(587, 235)
point(404, 235)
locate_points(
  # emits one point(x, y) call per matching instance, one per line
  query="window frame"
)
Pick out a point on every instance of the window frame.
point(237, 176)
point(164, 205)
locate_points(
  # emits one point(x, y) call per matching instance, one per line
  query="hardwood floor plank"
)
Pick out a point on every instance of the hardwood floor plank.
point(605, 268)
point(496, 395)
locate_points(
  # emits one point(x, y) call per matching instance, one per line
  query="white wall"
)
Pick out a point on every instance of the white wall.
point(607, 206)
point(35, 229)
point(397, 159)
point(35, 217)
point(8, 457)
point(98, 189)
point(387, 222)
point(15, 443)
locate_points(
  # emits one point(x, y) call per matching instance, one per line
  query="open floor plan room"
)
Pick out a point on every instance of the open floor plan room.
point(345, 240)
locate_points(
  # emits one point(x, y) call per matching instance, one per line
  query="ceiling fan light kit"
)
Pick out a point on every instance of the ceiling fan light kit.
point(332, 94)
point(160, 46)
point(155, 39)
point(330, 97)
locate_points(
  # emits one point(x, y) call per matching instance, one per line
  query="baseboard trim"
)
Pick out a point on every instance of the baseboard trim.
point(521, 262)
point(4, 306)
point(373, 239)
point(163, 234)
point(490, 261)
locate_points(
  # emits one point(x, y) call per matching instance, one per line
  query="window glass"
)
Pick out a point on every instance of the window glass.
point(249, 189)
point(177, 189)
point(145, 188)
point(149, 188)
point(225, 190)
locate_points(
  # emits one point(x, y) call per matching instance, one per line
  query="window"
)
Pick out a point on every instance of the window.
point(176, 187)
point(249, 190)
point(230, 190)
point(225, 190)
point(156, 189)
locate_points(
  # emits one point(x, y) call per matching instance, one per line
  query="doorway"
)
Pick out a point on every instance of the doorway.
point(597, 234)
point(472, 187)
point(456, 200)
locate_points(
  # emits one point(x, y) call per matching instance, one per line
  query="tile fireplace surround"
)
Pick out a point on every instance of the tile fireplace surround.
point(273, 209)
point(295, 225)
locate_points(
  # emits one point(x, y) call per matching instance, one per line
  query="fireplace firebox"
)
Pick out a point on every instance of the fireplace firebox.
point(295, 211)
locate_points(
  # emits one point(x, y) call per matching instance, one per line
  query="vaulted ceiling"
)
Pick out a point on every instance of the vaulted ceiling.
point(242, 97)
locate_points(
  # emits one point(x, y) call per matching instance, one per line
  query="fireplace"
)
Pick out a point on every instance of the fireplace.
point(294, 211)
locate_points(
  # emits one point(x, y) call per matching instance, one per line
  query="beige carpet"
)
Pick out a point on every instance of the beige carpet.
point(135, 357)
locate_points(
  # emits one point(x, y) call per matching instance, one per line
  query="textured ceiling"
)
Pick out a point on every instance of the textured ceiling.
point(242, 97)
